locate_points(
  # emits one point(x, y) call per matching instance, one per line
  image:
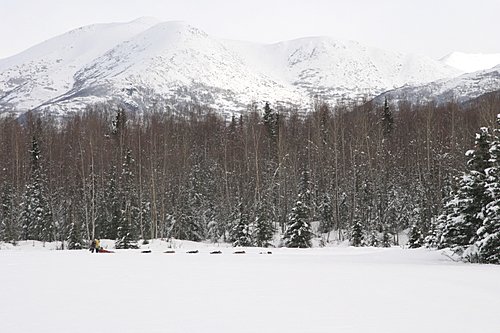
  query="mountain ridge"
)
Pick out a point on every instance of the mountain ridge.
point(143, 61)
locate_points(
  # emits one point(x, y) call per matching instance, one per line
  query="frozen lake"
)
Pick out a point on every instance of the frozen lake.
point(339, 289)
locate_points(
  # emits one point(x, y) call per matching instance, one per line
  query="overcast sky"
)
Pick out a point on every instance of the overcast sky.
point(431, 27)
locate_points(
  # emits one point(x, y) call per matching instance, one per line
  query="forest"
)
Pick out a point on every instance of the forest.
point(268, 176)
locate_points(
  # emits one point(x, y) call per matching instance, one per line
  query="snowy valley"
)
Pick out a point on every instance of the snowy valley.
point(309, 185)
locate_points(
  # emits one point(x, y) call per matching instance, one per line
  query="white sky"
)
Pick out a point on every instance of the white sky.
point(431, 27)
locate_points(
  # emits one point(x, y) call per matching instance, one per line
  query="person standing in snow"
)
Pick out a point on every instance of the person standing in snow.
point(97, 245)
point(92, 246)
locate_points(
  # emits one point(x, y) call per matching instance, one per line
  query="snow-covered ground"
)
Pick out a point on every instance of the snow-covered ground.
point(336, 289)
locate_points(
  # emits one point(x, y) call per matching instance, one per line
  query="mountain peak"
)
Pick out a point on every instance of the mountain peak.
point(148, 20)
point(145, 60)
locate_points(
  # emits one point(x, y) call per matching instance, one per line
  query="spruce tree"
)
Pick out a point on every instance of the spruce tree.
point(36, 215)
point(8, 223)
point(264, 229)
point(305, 193)
point(387, 120)
point(373, 239)
point(357, 235)
point(386, 239)
point(213, 231)
point(127, 230)
point(270, 119)
point(415, 238)
point(241, 233)
point(75, 239)
point(110, 210)
point(298, 232)
point(488, 242)
point(464, 218)
point(325, 214)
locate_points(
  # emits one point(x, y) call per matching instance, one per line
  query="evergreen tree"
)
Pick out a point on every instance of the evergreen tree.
point(270, 119)
point(213, 231)
point(196, 209)
point(146, 221)
point(241, 232)
point(373, 239)
point(433, 239)
point(464, 218)
point(325, 214)
point(36, 215)
point(110, 208)
point(387, 120)
point(75, 239)
point(415, 237)
point(8, 223)
point(386, 239)
point(357, 235)
point(298, 232)
point(264, 229)
point(488, 243)
point(126, 233)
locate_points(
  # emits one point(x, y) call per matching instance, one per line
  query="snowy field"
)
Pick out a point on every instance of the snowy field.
point(338, 289)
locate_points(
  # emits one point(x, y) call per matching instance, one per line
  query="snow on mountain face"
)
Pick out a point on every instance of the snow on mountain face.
point(469, 63)
point(171, 56)
point(142, 61)
point(334, 69)
point(46, 70)
point(460, 89)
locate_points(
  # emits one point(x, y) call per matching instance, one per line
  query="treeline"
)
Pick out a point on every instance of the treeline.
point(354, 171)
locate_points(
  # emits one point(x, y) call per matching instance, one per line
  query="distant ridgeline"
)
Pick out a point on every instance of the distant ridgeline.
point(363, 173)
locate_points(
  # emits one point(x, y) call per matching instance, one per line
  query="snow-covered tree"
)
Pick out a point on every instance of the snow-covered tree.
point(36, 214)
point(8, 223)
point(488, 242)
point(415, 238)
point(109, 218)
point(127, 230)
point(298, 232)
point(325, 211)
point(386, 239)
point(213, 231)
point(75, 239)
point(387, 120)
point(196, 205)
point(372, 239)
point(357, 238)
point(270, 119)
point(241, 232)
point(464, 209)
point(264, 228)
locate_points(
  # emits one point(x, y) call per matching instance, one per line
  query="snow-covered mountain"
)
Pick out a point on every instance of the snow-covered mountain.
point(146, 61)
point(470, 62)
point(460, 89)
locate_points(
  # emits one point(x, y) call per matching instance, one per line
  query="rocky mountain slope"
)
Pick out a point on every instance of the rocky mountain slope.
point(460, 89)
